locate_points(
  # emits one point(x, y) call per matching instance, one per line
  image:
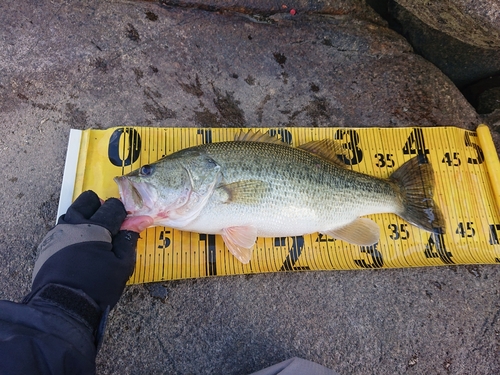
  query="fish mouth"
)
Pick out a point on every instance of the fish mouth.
point(134, 196)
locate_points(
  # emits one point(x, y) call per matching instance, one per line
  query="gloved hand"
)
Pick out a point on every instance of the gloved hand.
point(87, 251)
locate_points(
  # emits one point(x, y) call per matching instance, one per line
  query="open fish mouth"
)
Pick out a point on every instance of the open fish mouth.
point(136, 197)
point(133, 196)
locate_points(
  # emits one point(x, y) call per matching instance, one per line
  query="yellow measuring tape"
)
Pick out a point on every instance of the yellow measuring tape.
point(467, 175)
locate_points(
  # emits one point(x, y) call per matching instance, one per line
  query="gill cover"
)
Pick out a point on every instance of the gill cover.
point(201, 174)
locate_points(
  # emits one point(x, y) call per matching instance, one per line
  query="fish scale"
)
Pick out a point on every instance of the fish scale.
point(296, 177)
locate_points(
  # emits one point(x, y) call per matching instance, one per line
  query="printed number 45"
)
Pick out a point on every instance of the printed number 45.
point(466, 229)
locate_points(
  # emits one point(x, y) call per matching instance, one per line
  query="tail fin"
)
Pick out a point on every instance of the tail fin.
point(415, 182)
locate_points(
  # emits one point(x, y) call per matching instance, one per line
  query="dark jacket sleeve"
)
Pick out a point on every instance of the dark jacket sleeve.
point(52, 332)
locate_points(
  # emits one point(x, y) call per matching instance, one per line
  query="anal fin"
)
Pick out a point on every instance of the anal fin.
point(362, 232)
point(240, 241)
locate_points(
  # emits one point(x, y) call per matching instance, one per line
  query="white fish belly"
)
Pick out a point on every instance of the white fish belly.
point(290, 220)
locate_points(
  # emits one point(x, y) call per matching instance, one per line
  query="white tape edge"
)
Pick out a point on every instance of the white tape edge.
point(69, 175)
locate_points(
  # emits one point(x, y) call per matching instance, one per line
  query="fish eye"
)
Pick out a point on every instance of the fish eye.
point(146, 170)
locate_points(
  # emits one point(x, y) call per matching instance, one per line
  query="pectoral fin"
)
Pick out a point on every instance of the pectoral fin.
point(362, 232)
point(246, 191)
point(240, 241)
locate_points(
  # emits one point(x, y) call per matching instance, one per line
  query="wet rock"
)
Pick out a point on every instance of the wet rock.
point(493, 120)
point(489, 100)
point(474, 22)
point(462, 38)
point(484, 95)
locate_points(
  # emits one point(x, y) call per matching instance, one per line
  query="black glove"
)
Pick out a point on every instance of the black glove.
point(87, 251)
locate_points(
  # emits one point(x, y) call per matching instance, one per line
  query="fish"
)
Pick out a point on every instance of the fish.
point(258, 186)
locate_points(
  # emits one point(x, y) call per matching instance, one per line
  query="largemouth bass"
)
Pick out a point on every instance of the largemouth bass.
point(257, 186)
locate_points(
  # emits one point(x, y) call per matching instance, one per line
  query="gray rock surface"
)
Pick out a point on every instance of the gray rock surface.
point(489, 100)
point(475, 22)
point(264, 8)
point(93, 64)
point(195, 68)
point(462, 38)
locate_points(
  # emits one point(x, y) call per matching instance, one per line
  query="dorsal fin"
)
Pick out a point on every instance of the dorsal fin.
point(252, 136)
point(326, 149)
